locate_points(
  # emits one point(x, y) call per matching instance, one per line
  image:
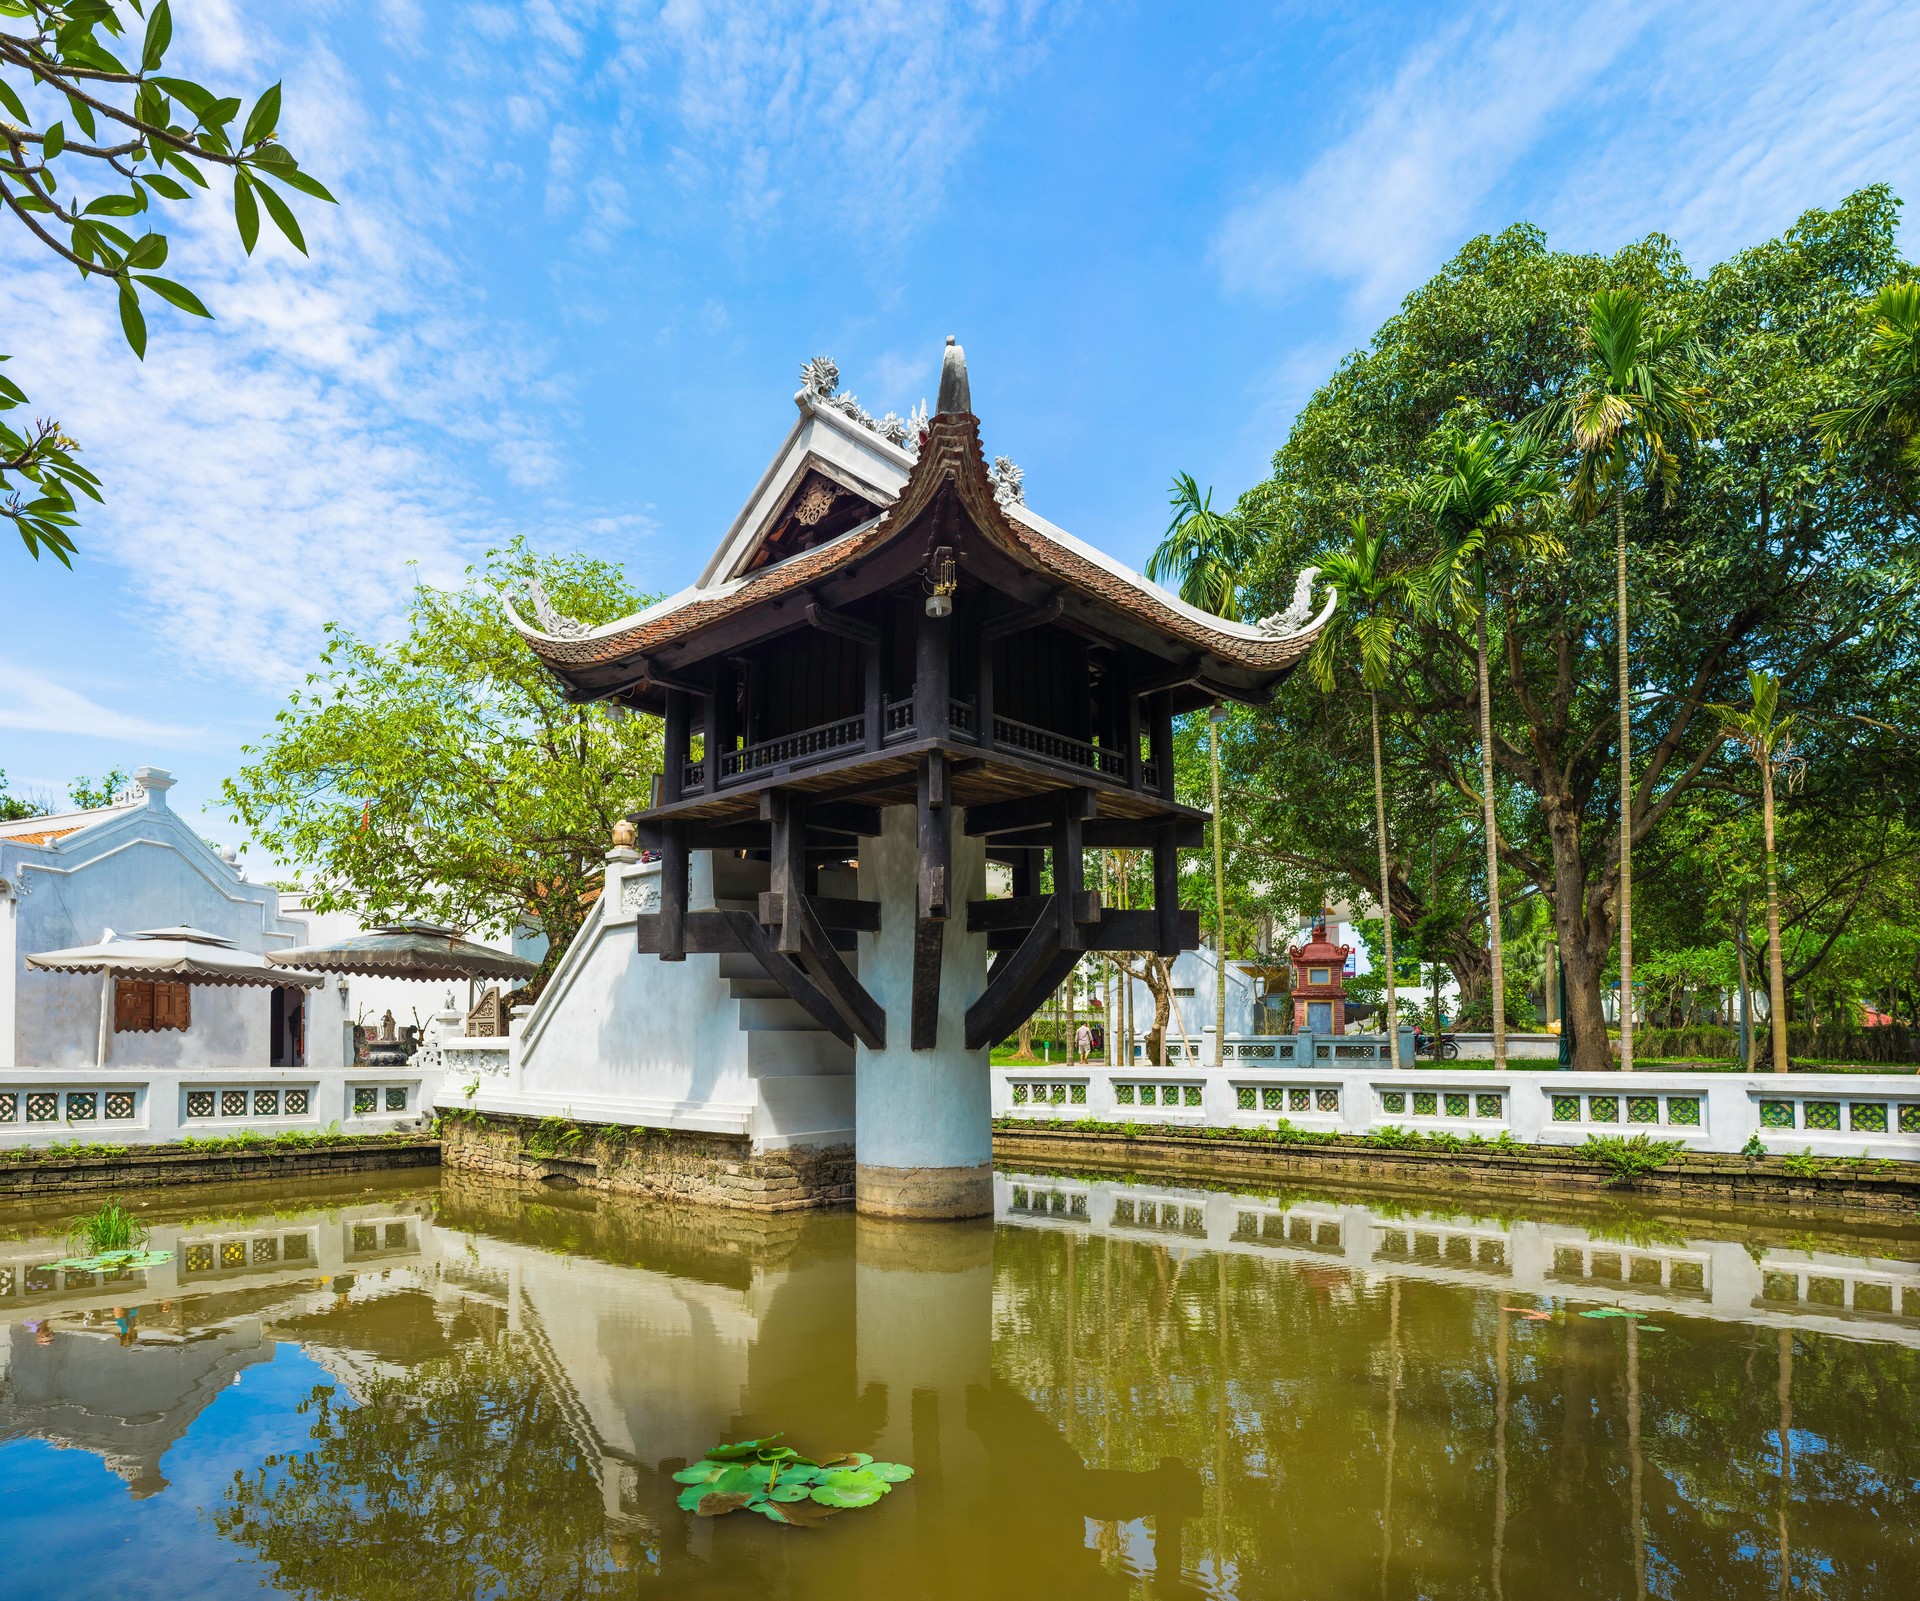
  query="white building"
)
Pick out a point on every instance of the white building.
point(97, 1057)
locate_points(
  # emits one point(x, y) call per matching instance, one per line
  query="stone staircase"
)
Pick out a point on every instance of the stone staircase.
point(803, 1075)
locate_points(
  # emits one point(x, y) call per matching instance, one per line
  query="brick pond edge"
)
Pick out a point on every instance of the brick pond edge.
point(1837, 1184)
point(34, 1174)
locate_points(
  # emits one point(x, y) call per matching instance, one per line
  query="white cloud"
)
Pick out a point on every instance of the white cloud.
point(1715, 124)
point(1380, 207)
point(301, 459)
point(34, 703)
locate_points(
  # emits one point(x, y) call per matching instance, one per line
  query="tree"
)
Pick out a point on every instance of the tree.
point(149, 130)
point(91, 794)
point(458, 1477)
point(1617, 419)
point(1768, 739)
point(1477, 497)
point(1365, 618)
point(1890, 408)
point(14, 807)
point(1202, 553)
point(444, 775)
point(1767, 556)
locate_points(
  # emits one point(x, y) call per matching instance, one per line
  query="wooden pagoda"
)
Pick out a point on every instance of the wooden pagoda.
point(888, 625)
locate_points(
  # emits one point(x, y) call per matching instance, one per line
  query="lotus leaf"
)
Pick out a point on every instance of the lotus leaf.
point(850, 1496)
point(713, 1504)
point(737, 1453)
point(782, 1485)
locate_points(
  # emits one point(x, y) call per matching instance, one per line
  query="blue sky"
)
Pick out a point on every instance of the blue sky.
point(584, 248)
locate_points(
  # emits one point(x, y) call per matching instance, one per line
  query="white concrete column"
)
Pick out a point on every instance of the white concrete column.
point(923, 1129)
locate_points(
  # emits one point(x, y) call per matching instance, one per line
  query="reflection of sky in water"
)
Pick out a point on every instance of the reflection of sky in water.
point(68, 1517)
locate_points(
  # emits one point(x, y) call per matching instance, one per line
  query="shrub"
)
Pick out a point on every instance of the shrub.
point(1629, 1158)
point(1393, 1138)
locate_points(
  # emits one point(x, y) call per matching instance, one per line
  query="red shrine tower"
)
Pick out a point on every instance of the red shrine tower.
point(1319, 982)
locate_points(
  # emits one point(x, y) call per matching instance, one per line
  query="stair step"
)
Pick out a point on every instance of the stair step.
point(775, 1014)
point(784, 1053)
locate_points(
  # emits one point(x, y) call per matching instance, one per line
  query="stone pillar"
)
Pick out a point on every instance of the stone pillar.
point(923, 1130)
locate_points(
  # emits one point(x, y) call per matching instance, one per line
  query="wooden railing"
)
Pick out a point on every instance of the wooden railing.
point(1058, 748)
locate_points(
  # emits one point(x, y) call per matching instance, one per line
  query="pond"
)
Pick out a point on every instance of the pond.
point(438, 1388)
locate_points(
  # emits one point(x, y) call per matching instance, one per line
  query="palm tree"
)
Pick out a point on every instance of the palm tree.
point(1475, 497)
point(1202, 555)
point(1770, 744)
point(1891, 407)
point(1364, 618)
point(1618, 419)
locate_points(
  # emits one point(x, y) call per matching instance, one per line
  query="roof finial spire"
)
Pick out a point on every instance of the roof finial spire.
point(954, 394)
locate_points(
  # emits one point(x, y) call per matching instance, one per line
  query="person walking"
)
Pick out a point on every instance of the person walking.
point(1082, 1045)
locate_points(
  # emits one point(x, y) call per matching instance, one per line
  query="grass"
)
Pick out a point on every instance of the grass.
point(1628, 1158)
point(245, 1141)
point(108, 1227)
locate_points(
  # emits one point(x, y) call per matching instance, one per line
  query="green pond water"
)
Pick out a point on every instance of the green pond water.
point(401, 1388)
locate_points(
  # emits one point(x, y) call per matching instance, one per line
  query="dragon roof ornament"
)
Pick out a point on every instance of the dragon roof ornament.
point(1298, 615)
point(1009, 481)
point(552, 620)
point(820, 378)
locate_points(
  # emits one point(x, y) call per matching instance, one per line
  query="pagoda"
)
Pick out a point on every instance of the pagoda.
point(891, 673)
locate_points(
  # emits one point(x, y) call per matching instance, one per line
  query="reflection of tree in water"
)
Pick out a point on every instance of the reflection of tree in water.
point(1515, 1453)
point(456, 1479)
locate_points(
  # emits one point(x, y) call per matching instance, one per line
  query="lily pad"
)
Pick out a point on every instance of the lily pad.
point(713, 1504)
point(742, 1450)
point(781, 1485)
point(848, 1495)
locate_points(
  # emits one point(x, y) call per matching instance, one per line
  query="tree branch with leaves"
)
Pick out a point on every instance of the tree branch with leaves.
point(88, 193)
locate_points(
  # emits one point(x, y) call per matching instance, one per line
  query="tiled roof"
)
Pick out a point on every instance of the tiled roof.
point(950, 453)
point(42, 836)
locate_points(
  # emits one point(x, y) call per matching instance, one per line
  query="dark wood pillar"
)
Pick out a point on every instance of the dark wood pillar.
point(934, 900)
point(873, 659)
point(720, 724)
point(1166, 890)
point(1068, 876)
point(788, 879)
point(932, 676)
point(1129, 717)
point(1160, 736)
point(673, 892)
point(679, 718)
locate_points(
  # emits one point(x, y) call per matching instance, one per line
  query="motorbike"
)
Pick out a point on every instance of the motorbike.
point(1444, 1048)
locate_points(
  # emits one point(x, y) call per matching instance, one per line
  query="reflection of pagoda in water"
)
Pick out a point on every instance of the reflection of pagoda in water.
point(83, 1391)
point(122, 1365)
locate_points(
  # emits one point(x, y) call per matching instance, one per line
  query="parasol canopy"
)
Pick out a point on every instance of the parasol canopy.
point(408, 950)
point(183, 955)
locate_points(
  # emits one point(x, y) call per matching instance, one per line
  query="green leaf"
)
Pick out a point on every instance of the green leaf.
point(162, 152)
point(853, 1496)
point(149, 250)
point(741, 1451)
point(82, 114)
point(891, 1472)
point(221, 112)
point(787, 1490)
point(698, 1473)
point(132, 323)
point(12, 102)
point(163, 186)
point(282, 216)
point(116, 206)
point(188, 93)
point(264, 118)
point(159, 36)
point(174, 294)
point(299, 180)
point(246, 214)
point(12, 393)
point(55, 141)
